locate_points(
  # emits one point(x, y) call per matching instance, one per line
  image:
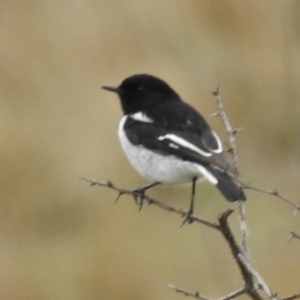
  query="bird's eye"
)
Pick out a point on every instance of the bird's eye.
point(141, 90)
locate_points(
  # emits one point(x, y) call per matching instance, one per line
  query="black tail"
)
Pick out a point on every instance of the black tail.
point(230, 190)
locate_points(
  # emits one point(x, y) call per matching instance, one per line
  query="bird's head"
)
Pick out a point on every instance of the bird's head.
point(140, 91)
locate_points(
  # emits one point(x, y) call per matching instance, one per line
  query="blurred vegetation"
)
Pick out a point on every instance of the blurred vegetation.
point(61, 239)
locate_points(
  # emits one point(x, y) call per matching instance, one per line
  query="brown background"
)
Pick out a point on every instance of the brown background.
point(61, 239)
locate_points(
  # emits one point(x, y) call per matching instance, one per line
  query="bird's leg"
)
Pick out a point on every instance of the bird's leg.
point(190, 211)
point(139, 193)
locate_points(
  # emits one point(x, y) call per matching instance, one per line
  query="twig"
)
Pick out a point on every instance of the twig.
point(261, 284)
point(293, 297)
point(248, 275)
point(149, 200)
point(244, 228)
point(187, 293)
point(274, 193)
point(234, 294)
point(197, 295)
point(230, 131)
point(295, 235)
point(252, 279)
point(233, 149)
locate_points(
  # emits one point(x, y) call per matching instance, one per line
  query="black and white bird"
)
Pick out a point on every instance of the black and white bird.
point(167, 141)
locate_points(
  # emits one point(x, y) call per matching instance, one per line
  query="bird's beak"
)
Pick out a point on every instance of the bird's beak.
point(114, 89)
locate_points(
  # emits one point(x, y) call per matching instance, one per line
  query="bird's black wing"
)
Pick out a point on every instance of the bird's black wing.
point(179, 116)
point(203, 147)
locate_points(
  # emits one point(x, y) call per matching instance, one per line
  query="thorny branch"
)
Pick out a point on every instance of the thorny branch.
point(150, 200)
point(233, 150)
point(253, 282)
point(230, 131)
point(293, 297)
point(242, 214)
point(274, 193)
point(196, 295)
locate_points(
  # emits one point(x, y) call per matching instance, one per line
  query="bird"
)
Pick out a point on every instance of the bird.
point(168, 142)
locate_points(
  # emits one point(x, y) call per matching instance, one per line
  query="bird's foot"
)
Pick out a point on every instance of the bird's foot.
point(139, 196)
point(188, 217)
point(139, 193)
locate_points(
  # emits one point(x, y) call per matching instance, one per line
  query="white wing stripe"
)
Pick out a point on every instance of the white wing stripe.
point(172, 145)
point(184, 143)
point(220, 147)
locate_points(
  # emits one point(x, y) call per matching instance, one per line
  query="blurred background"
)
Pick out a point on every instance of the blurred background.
point(60, 238)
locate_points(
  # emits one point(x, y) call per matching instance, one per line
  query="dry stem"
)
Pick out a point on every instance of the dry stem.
point(233, 150)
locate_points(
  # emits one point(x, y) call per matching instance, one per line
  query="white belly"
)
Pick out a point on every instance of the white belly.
point(156, 167)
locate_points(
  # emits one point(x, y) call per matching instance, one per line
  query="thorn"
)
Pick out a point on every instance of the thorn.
point(274, 296)
point(229, 150)
point(246, 185)
point(150, 201)
point(216, 92)
point(291, 237)
point(109, 183)
point(236, 130)
point(118, 197)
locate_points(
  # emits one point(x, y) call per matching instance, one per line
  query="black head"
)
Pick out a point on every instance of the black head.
point(141, 91)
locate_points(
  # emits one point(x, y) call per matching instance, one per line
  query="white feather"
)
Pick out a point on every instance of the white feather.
point(184, 143)
point(139, 116)
point(220, 147)
point(174, 146)
point(210, 177)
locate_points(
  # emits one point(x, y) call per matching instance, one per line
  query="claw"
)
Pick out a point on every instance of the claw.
point(139, 195)
point(188, 218)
